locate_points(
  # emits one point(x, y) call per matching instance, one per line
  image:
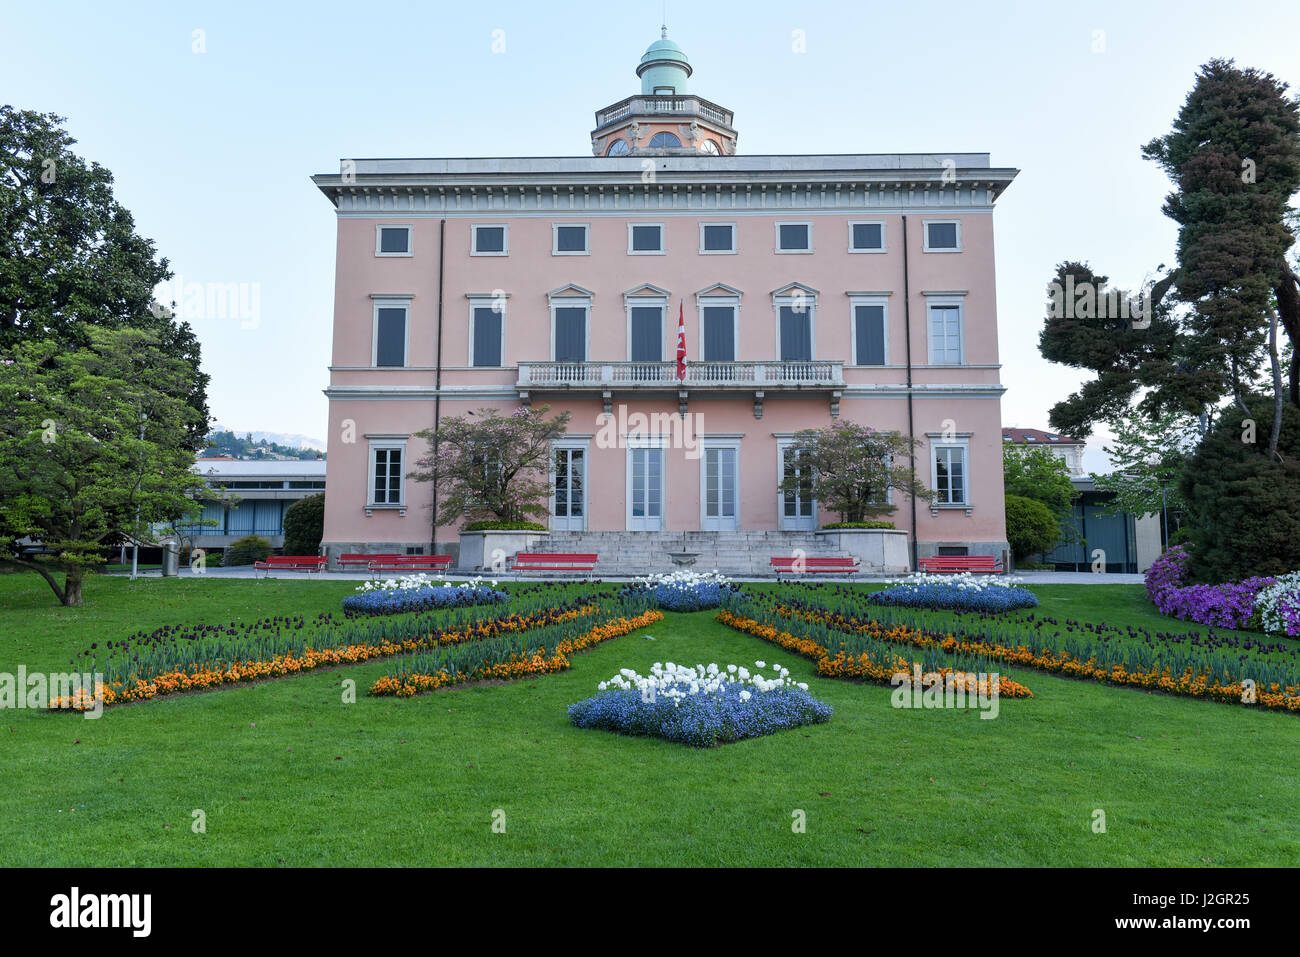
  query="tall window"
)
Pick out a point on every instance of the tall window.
point(570, 333)
point(390, 333)
point(719, 324)
point(796, 323)
point(951, 484)
point(386, 473)
point(945, 333)
point(869, 333)
point(646, 333)
point(487, 327)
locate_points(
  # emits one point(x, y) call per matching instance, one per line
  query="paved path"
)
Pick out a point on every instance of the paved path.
point(1029, 578)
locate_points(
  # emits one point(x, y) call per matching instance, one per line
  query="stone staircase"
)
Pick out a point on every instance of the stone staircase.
point(732, 553)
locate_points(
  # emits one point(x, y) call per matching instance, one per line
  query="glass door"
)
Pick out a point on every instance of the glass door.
point(720, 476)
point(569, 481)
point(645, 500)
point(798, 510)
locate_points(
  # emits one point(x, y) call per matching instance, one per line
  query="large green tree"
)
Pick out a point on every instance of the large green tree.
point(853, 469)
point(1233, 155)
point(70, 256)
point(92, 447)
point(1148, 458)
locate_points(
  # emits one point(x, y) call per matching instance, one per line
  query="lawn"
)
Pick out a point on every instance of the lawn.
point(288, 774)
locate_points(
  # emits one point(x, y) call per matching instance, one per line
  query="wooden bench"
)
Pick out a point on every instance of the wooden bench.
point(960, 563)
point(402, 563)
point(290, 563)
point(361, 561)
point(553, 562)
point(786, 565)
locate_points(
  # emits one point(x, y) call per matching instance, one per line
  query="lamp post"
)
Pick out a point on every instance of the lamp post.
point(135, 548)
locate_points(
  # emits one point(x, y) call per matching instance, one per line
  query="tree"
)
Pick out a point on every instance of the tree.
point(70, 258)
point(1233, 155)
point(490, 466)
point(853, 468)
point(1148, 458)
point(1244, 507)
point(304, 525)
point(92, 445)
point(1037, 472)
point(1032, 527)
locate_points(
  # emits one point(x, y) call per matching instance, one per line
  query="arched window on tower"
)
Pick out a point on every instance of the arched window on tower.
point(665, 139)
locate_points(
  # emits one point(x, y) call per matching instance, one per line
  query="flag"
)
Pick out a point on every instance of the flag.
point(681, 342)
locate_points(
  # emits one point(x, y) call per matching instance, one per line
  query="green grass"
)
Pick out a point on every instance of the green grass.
point(288, 774)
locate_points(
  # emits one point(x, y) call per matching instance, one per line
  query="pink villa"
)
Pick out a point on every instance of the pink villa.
point(813, 288)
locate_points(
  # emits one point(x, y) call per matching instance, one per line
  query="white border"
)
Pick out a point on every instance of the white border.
point(776, 239)
point(505, 238)
point(410, 240)
point(884, 235)
point(925, 236)
point(496, 305)
point(555, 239)
point(946, 302)
point(735, 241)
point(405, 306)
point(854, 302)
point(663, 241)
point(376, 445)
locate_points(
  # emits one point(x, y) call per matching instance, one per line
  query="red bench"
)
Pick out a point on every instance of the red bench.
point(402, 563)
point(786, 565)
point(362, 560)
point(554, 562)
point(960, 563)
point(290, 563)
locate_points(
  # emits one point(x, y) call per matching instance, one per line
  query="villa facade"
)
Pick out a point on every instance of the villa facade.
point(811, 288)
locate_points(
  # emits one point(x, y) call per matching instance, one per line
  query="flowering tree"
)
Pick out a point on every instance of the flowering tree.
point(491, 466)
point(853, 469)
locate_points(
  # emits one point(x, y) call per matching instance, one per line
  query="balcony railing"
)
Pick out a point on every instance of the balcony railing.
point(686, 105)
point(773, 375)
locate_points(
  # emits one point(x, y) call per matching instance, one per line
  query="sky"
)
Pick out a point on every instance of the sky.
point(212, 116)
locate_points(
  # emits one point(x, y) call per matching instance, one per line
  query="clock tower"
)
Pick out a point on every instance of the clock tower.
point(665, 118)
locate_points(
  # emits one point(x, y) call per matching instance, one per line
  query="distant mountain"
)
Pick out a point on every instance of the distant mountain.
point(261, 445)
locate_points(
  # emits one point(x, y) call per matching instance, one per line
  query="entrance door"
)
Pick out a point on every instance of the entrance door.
point(798, 510)
point(720, 491)
point(569, 478)
point(645, 500)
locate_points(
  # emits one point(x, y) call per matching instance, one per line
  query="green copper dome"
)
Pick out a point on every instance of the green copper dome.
point(664, 67)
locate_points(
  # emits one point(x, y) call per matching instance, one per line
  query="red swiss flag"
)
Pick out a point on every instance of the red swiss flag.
point(681, 342)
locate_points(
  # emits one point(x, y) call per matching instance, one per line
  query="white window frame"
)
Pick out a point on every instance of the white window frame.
point(496, 304)
point(669, 345)
point(505, 238)
point(583, 445)
point(946, 301)
point(410, 240)
point(721, 302)
point(555, 239)
point(663, 241)
point(405, 306)
point(572, 302)
point(735, 244)
point(784, 443)
point(728, 442)
point(925, 236)
point(884, 235)
point(776, 241)
point(810, 300)
point(854, 302)
point(377, 445)
point(642, 440)
point(937, 442)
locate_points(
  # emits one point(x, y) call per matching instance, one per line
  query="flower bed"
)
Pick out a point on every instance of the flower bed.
point(1231, 605)
point(394, 596)
point(514, 657)
point(684, 590)
point(962, 592)
point(1277, 606)
point(700, 706)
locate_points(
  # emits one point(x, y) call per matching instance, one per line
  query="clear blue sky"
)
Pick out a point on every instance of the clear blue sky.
point(212, 151)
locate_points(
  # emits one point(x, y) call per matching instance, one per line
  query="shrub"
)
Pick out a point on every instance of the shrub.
point(494, 526)
point(834, 525)
point(245, 551)
point(304, 525)
point(1032, 527)
point(700, 706)
point(961, 592)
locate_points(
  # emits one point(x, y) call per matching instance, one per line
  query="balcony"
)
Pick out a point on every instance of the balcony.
point(753, 378)
point(679, 106)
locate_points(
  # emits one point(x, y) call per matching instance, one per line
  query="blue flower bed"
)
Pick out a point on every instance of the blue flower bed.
point(702, 720)
point(385, 601)
point(673, 597)
point(986, 598)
